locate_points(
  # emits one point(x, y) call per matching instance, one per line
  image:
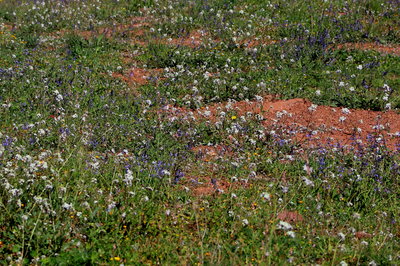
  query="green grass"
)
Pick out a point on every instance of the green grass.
point(95, 171)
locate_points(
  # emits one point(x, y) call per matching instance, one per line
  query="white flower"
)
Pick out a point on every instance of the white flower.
point(284, 225)
point(265, 196)
point(2, 149)
point(308, 181)
point(313, 107)
point(342, 119)
point(59, 98)
point(387, 88)
point(341, 236)
point(128, 177)
point(291, 234)
point(245, 222)
point(343, 263)
point(359, 67)
point(67, 206)
point(318, 92)
point(345, 111)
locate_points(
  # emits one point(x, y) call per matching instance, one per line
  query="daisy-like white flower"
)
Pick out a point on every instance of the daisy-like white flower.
point(291, 234)
point(308, 182)
point(265, 196)
point(284, 225)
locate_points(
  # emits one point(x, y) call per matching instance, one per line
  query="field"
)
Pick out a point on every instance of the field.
point(216, 132)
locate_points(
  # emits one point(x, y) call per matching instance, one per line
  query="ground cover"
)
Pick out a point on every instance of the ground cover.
point(199, 132)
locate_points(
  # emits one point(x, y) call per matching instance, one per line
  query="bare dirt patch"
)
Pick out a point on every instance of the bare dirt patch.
point(201, 186)
point(362, 235)
point(209, 153)
point(254, 43)
point(137, 27)
point(193, 40)
point(323, 124)
point(290, 216)
point(139, 76)
point(311, 125)
point(384, 49)
point(8, 27)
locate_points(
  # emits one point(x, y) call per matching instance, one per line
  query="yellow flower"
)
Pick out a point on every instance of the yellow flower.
point(233, 117)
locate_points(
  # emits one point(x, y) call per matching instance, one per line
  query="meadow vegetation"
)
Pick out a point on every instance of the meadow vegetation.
point(123, 141)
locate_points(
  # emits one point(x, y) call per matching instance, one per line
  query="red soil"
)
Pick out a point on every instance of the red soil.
point(384, 49)
point(193, 40)
point(361, 235)
point(290, 216)
point(137, 76)
point(253, 43)
point(208, 153)
point(132, 30)
point(311, 125)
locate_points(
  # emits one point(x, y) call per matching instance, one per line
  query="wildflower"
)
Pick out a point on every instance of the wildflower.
point(341, 236)
point(284, 225)
point(291, 234)
point(265, 196)
point(318, 92)
point(359, 67)
point(387, 88)
point(128, 177)
point(67, 206)
point(233, 117)
point(345, 111)
point(245, 222)
point(308, 169)
point(313, 107)
point(308, 182)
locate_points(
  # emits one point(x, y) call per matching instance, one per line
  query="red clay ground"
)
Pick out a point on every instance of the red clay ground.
point(136, 28)
point(312, 125)
point(137, 76)
point(193, 40)
point(325, 124)
point(384, 49)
